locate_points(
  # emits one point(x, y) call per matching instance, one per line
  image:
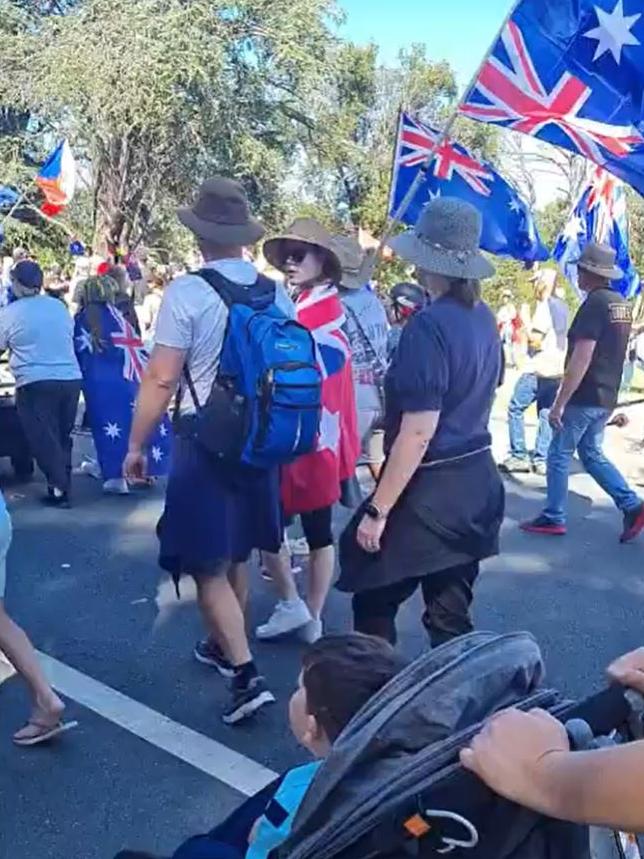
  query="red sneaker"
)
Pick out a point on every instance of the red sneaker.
point(633, 524)
point(543, 525)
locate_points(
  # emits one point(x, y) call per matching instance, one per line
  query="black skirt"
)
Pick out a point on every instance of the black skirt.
point(449, 514)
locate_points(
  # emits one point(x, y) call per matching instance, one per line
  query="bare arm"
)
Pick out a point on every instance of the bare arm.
point(526, 758)
point(575, 371)
point(416, 432)
point(157, 388)
point(417, 429)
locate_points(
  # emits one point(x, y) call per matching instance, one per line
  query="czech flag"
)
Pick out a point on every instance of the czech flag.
point(57, 179)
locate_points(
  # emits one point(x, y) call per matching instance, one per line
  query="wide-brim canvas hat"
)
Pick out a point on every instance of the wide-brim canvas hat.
point(600, 260)
point(352, 259)
point(221, 215)
point(306, 231)
point(446, 241)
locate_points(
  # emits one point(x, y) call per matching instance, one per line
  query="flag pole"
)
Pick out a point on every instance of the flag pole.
point(440, 140)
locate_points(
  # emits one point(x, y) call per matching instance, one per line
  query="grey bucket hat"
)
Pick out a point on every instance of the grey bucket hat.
point(445, 241)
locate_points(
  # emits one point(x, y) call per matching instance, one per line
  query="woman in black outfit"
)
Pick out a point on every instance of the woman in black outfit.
point(438, 507)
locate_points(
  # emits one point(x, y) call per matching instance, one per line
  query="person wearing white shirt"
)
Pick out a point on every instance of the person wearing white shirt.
point(540, 378)
point(214, 516)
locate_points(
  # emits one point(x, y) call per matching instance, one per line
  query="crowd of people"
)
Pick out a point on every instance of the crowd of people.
point(405, 391)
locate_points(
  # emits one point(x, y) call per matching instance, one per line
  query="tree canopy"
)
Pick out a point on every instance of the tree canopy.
point(155, 95)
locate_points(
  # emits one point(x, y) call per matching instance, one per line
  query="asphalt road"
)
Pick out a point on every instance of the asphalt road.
point(85, 584)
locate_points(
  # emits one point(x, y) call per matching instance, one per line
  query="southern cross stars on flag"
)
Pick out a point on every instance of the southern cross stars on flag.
point(508, 226)
point(570, 72)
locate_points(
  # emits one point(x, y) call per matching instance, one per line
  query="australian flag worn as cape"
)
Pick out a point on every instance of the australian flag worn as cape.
point(508, 225)
point(111, 378)
point(571, 72)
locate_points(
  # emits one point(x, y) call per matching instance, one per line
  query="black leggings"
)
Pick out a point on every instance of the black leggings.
point(448, 596)
point(317, 528)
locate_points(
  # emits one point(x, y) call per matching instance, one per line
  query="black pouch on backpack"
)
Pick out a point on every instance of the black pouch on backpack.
point(221, 425)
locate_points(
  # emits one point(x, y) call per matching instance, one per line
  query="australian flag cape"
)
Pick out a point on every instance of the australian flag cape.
point(112, 366)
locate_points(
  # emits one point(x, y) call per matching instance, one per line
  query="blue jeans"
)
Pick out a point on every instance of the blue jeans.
point(524, 395)
point(583, 430)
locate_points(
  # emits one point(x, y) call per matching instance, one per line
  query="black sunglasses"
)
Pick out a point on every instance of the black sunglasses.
point(295, 253)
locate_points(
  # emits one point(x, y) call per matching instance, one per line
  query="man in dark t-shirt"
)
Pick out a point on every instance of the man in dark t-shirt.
point(597, 344)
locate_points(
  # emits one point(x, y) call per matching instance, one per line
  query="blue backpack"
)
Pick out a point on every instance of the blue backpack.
point(265, 404)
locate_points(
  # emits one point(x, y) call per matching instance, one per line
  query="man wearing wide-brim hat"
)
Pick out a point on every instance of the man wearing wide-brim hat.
point(211, 522)
point(588, 393)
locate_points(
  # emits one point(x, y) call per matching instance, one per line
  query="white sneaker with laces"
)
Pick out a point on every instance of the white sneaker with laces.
point(311, 632)
point(286, 617)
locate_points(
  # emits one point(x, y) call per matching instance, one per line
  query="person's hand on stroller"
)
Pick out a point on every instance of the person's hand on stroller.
point(513, 754)
point(628, 670)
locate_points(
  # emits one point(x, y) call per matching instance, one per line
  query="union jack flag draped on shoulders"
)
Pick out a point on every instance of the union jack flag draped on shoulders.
point(112, 360)
point(508, 225)
point(599, 216)
point(571, 72)
point(313, 481)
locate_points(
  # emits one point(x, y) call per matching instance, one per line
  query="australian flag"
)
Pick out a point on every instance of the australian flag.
point(508, 226)
point(571, 72)
point(599, 216)
point(112, 360)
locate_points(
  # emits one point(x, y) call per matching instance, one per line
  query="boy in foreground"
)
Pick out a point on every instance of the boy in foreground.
point(340, 673)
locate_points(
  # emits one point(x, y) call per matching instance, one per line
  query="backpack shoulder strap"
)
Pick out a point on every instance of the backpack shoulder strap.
point(258, 296)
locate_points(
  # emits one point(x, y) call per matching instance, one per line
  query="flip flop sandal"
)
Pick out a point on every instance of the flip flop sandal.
point(45, 732)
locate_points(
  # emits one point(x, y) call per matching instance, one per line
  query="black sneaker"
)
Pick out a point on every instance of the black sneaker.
point(61, 501)
point(633, 524)
point(247, 700)
point(208, 652)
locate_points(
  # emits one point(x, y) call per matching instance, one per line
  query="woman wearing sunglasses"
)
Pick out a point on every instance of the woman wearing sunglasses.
point(311, 485)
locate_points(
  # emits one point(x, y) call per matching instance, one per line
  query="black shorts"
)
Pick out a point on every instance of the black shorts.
point(317, 528)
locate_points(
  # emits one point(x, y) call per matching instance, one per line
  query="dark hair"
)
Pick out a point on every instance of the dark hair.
point(340, 673)
point(467, 292)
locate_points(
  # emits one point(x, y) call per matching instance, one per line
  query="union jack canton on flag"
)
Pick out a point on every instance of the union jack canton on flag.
point(508, 225)
point(571, 72)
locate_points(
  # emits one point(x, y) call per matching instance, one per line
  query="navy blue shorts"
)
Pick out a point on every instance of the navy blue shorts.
point(212, 517)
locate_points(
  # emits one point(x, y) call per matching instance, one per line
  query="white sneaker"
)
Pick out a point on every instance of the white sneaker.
point(311, 632)
point(286, 617)
point(116, 486)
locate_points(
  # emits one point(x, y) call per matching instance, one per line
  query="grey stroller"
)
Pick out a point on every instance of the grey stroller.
point(392, 786)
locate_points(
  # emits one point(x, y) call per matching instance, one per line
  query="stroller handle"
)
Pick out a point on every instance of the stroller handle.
point(603, 713)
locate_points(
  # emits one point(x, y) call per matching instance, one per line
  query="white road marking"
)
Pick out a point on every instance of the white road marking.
point(226, 765)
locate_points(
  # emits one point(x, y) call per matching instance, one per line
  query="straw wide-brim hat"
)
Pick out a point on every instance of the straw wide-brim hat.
point(446, 241)
point(307, 231)
point(221, 215)
point(600, 260)
point(353, 260)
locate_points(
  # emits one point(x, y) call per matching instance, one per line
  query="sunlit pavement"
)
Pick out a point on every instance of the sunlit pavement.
point(86, 586)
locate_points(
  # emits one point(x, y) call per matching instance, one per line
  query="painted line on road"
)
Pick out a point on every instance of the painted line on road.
point(210, 757)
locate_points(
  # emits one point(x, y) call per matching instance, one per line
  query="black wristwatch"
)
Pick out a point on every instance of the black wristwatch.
point(374, 512)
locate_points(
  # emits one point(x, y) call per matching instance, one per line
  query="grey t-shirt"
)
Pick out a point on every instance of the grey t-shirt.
point(193, 318)
point(39, 333)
